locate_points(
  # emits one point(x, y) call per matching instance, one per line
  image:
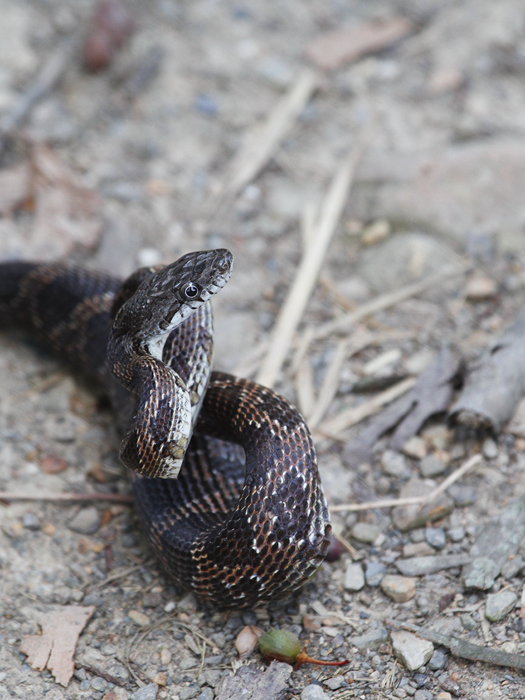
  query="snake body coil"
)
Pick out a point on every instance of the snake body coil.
point(245, 520)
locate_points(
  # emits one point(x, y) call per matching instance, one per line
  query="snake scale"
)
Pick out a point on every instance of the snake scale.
point(225, 476)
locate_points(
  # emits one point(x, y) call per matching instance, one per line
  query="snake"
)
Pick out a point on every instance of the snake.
point(224, 472)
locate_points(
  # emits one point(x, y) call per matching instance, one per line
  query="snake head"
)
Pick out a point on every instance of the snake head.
point(166, 297)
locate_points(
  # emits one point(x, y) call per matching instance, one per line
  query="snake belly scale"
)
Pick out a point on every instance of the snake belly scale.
point(224, 471)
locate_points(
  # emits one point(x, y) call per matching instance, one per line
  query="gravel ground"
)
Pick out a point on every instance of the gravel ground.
point(441, 182)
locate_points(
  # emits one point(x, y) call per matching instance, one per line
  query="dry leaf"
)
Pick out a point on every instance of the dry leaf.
point(335, 49)
point(55, 647)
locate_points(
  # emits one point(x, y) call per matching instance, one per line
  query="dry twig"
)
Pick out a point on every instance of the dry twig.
point(20, 496)
point(334, 426)
point(310, 265)
point(261, 145)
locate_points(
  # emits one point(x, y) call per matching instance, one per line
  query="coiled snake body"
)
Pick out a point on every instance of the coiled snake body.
point(229, 495)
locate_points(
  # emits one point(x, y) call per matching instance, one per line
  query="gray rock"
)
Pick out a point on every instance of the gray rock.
point(207, 694)
point(335, 682)
point(365, 532)
point(148, 692)
point(422, 694)
point(419, 566)
point(512, 567)
point(499, 605)
point(313, 692)
point(189, 692)
point(374, 573)
point(490, 449)
point(430, 467)
point(354, 578)
point(98, 684)
point(412, 651)
point(462, 495)
point(468, 622)
point(399, 588)
point(394, 464)
point(435, 536)
point(375, 636)
point(30, 521)
point(249, 682)
point(438, 660)
point(456, 534)
point(495, 544)
point(86, 521)
point(92, 599)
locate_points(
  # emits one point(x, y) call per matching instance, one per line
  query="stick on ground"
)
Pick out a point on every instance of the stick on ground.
point(310, 266)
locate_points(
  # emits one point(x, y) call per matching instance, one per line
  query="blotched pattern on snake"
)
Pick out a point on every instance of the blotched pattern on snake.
point(225, 474)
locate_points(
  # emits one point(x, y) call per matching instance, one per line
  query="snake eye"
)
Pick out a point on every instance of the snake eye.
point(190, 291)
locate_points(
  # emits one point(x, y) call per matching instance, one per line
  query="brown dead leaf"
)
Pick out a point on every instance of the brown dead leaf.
point(66, 211)
point(338, 48)
point(15, 188)
point(55, 647)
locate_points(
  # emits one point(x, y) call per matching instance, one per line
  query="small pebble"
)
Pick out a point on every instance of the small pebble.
point(139, 618)
point(98, 684)
point(462, 495)
point(165, 656)
point(399, 588)
point(418, 549)
point(374, 573)
point(313, 692)
point(436, 537)
point(354, 578)
point(438, 660)
point(512, 567)
point(31, 522)
point(468, 622)
point(490, 449)
point(247, 640)
point(412, 651)
point(86, 521)
point(207, 694)
point(456, 534)
point(92, 599)
point(480, 288)
point(443, 695)
point(335, 682)
point(85, 685)
point(365, 532)
point(148, 692)
point(423, 695)
point(394, 464)
point(499, 605)
point(375, 636)
point(151, 600)
point(415, 447)
point(189, 692)
point(430, 467)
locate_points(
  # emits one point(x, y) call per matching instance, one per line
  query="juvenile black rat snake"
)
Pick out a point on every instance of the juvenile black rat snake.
point(225, 475)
